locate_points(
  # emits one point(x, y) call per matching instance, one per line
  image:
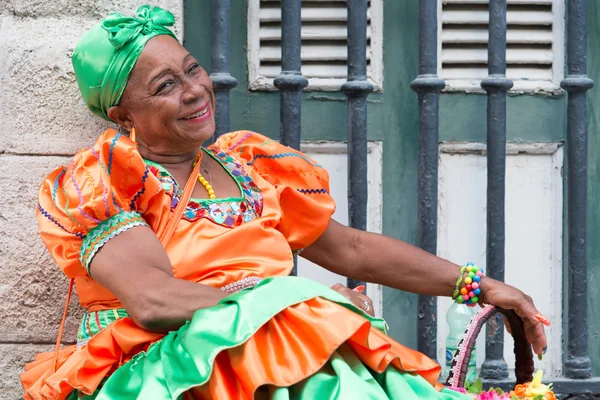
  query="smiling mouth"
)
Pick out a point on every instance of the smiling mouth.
point(199, 113)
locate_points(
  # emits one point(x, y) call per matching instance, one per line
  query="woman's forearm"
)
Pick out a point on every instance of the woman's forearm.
point(172, 303)
point(137, 270)
point(380, 259)
point(391, 262)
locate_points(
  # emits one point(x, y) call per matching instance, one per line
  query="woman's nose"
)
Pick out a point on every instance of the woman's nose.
point(193, 90)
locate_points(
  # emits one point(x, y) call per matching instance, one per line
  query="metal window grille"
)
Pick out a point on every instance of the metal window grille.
point(324, 41)
point(534, 43)
point(577, 380)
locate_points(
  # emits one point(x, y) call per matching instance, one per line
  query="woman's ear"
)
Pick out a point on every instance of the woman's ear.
point(121, 116)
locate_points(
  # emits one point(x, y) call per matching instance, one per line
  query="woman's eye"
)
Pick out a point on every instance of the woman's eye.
point(165, 85)
point(193, 67)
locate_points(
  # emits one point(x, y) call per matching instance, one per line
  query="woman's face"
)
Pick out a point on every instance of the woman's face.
point(169, 99)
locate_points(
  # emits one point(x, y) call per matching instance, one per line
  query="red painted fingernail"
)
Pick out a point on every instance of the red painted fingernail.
point(540, 317)
point(359, 288)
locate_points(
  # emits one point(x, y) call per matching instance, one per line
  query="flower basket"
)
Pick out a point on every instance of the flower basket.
point(527, 387)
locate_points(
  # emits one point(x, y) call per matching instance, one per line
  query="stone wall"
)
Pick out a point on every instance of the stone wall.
point(43, 121)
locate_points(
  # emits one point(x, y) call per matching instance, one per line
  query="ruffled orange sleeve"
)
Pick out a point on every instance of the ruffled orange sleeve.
point(101, 193)
point(302, 184)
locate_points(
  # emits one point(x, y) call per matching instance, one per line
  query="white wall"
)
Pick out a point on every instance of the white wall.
point(333, 157)
point(533, 230)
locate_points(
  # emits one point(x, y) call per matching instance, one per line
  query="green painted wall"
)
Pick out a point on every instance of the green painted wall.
point(393, 118)
point(530, 118)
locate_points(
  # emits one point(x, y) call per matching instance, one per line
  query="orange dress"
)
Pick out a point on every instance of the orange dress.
point(272, 332)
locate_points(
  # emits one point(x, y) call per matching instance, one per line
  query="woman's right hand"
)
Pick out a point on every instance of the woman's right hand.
point(360, 300)
point(510, 298)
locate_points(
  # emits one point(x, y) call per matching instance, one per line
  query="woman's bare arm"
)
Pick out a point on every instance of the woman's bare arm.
point(371, 257)
point(376, 258)
point(135, 268)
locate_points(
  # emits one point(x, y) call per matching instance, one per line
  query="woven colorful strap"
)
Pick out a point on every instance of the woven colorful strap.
point(524, 367)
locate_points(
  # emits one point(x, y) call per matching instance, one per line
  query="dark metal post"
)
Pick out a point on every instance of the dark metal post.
point(223, 82)
point(577, 364)
point(357, 88)
point(496, 85)
point(291, 82)
point(428, 87)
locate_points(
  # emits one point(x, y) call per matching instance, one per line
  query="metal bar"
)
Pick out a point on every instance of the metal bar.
point(223, 82)
point(428, 87)
point(577, 83)
point(496, 85)
point(291, 82)
point(357, 88)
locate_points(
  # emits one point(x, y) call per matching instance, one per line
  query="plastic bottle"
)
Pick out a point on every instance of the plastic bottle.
point(458, 318)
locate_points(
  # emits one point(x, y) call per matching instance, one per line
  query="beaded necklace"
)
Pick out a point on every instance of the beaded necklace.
point(202, 180)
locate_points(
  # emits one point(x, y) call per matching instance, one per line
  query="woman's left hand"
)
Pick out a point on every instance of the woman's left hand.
point(510, 298)
point(356, 297)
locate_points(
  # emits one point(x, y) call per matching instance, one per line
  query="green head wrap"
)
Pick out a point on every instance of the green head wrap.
point(105, 56)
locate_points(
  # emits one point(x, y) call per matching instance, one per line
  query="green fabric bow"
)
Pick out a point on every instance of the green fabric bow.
point(122, 30)
point(104, 58)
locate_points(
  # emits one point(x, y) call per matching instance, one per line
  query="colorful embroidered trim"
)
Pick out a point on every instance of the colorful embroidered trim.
point(242, 284)
point(246, 136)
point(94, 322)
point(106, 230)
point(80, 194)
point(111, 151)
point(312, 191)
point(104, 189)
point(229, 212)
point(283, 155)
point(47, 215)
point(55, 188)
point(141, 191)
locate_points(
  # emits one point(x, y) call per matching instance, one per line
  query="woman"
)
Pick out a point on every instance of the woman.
point(181, 254)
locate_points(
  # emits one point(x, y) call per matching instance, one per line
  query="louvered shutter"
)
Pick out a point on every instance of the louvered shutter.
point(324, 40)
point(530, 53)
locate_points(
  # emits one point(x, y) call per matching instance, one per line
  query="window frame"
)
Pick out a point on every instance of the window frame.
point(551, 87)
point(258, 82)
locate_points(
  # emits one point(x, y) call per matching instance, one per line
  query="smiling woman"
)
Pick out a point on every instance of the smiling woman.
point(168, 100)
point(186, 286)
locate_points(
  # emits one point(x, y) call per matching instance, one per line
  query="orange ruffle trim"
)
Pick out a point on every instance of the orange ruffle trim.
point(293, 345)
point(84, 368)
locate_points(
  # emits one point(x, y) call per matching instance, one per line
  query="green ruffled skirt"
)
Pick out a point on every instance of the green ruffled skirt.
point(183, 359)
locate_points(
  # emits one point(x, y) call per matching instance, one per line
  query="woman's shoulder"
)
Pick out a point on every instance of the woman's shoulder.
point(302, 184)
point(110, 144)
point(235, 141)
point(107, 151)
point(104, 190)
point(263, 153)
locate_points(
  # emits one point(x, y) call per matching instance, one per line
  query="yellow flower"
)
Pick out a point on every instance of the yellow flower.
point(534, 388)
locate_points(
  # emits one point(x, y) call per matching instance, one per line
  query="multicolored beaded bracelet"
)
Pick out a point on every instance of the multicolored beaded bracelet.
point(470, 292)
